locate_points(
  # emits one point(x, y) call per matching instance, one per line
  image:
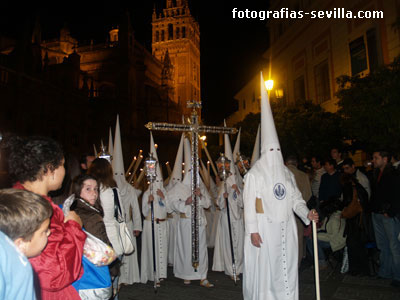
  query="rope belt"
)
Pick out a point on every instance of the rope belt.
point(259, 206)
point(157, 220)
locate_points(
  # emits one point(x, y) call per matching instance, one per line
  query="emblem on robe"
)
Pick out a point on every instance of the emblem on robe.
point(279, 191)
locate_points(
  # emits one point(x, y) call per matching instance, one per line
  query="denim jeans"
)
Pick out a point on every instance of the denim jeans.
point(321, 246)
point(386, 232)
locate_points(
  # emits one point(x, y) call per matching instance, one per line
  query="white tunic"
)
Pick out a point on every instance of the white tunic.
point(270, 272)
point(212, 216)
point(183, 241)
point(173, 219)
point(222, 252)
point(112, 225)
point(130, 268)
point(161, 207)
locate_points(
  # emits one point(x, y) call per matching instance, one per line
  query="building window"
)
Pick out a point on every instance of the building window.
point(157, 36)
point(170, 31)
point(374, 54)
point(322, 82)
point(177, 32)
point(183, 32)
point(299, 88)
point(358, 55)
point(162, 35)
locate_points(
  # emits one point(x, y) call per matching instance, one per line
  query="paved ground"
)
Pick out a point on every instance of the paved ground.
point(334, 286)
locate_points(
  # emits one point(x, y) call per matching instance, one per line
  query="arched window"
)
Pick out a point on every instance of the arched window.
point(157, 36)
point(162, 35)
point(183, 32)
point(177, 33)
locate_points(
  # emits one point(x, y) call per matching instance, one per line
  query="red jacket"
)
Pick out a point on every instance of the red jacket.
point(60, 263)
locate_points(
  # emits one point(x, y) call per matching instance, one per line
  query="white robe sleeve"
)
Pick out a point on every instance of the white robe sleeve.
point(299, 205)
point(205, 199)
point(249, 203)
point(137, 217)
point(145, 204)
point(178, 198)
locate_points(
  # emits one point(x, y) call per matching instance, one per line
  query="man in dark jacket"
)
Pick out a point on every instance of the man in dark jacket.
point(386, 211)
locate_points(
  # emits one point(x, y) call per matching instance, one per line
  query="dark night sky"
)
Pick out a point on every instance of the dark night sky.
point(230, 48)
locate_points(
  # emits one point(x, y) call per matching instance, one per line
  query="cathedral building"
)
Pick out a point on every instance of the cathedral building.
point(72, 90)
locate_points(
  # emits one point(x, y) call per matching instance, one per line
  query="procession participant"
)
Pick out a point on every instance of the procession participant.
point(36, 164)
point(129, 267)
point(160, 207)
point(173, 216)
point(235, 156)
point(223, 253)
point(211, 211)
point(270, 198)
point(181, 196)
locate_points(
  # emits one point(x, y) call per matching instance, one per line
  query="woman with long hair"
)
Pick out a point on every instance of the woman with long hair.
point(36, 164)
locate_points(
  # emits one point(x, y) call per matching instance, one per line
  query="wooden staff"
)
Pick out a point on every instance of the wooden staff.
point(209, 157)
point(138, 161)
point(141, 175)
point(168, 168)
point(130, 166)
point(316, 267)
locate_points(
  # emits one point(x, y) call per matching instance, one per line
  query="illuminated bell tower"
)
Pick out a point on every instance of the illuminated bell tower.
point(176, 31)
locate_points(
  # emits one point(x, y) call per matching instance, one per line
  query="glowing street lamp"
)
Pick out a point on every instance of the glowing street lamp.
point(269, 84)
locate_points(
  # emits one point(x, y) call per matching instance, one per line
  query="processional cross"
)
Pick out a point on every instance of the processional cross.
point(194, 128)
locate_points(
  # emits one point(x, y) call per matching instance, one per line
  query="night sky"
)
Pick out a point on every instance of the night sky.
point(231, 49)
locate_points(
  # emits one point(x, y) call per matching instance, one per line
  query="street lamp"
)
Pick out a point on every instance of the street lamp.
point(269, 84)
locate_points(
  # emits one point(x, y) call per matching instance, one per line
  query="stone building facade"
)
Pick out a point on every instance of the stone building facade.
point(307, 55)
point(72, 91)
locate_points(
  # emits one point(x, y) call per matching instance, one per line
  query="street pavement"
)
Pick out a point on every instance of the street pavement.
point(334, 286)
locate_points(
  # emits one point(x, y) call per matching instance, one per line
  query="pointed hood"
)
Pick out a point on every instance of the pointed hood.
point(228, 152)
point(256, 150)
point(235, 153)
point(236, 150)
point(110, 142)
point(277, 179)
point(176, 174)
point(269, 138)
point(118, 160)
point(159, 183)
point(188, 161)
point(206, 175)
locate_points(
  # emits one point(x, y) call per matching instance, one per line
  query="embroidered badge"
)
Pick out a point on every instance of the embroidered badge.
point(160, 202)
point(279, 191)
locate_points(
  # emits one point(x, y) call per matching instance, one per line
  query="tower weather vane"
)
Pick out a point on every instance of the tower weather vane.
point(194, 128)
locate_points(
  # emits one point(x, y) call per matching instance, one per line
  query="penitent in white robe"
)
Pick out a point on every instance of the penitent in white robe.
point(173, 219)
point(212, 216)
point(222, 252)
point(130, 268)
point(271, 271)
point(161, 208)
point(183, 240)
